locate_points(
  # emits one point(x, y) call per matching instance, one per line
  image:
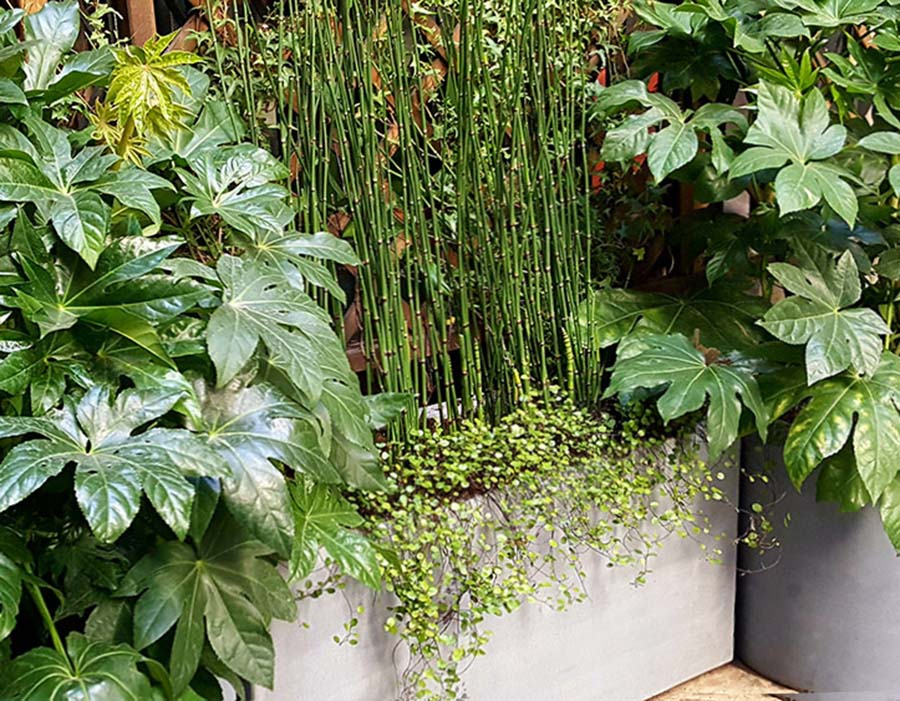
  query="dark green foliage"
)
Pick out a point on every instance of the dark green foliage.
point(817, 252)
point(165, 377)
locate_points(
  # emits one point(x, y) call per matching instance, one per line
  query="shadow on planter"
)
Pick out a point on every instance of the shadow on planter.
point(826, 617)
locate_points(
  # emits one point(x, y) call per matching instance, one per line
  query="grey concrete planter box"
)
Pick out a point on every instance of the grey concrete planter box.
point(826, 617)
point(626, 644)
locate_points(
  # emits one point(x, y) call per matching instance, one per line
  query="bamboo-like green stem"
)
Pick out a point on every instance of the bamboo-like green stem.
point(460, 168)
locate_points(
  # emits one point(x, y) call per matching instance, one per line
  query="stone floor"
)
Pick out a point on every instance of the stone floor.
point(729, 683)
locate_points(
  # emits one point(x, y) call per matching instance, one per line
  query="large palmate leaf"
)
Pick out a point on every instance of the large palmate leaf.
point(862, 406)
point(217, 125)
point(834, 13)
point(672, 146)
point(146, 83)
point(67, 187)
point(122, 294)
point(52, 70)
point(41, 368)
point(799, 133)
point(92, 671)
point(696, 59)
point(235, 184)
point(292, 254)
point(723, 316)
point(249, 427)
point(689, 378)
point(112, 466)
point(259, 306)
point(221, 586)
point(836, 338)
point(324, 519)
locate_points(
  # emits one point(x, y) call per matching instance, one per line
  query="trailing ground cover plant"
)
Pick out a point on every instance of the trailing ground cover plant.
point(796, 109)
point(484, 519)
point(168, 386)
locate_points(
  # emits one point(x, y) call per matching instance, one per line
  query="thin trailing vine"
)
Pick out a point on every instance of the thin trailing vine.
point(485, 518)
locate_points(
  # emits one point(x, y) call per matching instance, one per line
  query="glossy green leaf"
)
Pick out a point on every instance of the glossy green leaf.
point(259, 306)
point(134, 187)
point(51, 33)
point(10, 93)
point(799, 132)
point(864, 407)
point(832, 13)
point(836, 338)
point(82, 222)
point(882, 142)
point(894, 179)
point(889, 508)
point(10, 594)
point(215, 126)
point(235, 184)
point(386, 406)
point(212, 585)
point(672, 362)
point(93, 671)
point(840, 482)
point(113, 466)
point(79, 71)
point(249, 427)
point(724, 316)
point(323, 519)
point(670, 149)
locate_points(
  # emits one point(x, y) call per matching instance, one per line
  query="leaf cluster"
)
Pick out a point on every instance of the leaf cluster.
point(814, 153)
point(485, 518)
point(169, 385)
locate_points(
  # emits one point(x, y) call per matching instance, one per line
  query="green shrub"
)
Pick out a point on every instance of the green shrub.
point(794, 105)
point(156, 409)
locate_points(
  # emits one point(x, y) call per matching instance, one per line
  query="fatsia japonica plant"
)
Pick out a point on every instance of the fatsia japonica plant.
point(171, 392)
point(794, 111)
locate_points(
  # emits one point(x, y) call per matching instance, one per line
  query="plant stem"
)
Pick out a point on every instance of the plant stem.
point(41, 604)
point(127, 134)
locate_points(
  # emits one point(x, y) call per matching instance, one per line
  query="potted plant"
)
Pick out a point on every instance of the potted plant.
point(450, 143)
point(790, 105)
point(168, 385)
point(520, 539)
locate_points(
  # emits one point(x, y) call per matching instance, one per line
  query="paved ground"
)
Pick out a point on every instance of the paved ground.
point(728, 683)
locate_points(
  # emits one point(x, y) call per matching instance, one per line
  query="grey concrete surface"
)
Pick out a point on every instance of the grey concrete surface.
point(625, 644)
point(826, 616)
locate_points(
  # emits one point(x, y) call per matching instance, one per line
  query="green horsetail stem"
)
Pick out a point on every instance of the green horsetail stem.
point(447, 140)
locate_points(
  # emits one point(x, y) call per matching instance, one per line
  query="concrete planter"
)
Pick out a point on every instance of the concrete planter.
point(826, 617)
point(625, 644)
